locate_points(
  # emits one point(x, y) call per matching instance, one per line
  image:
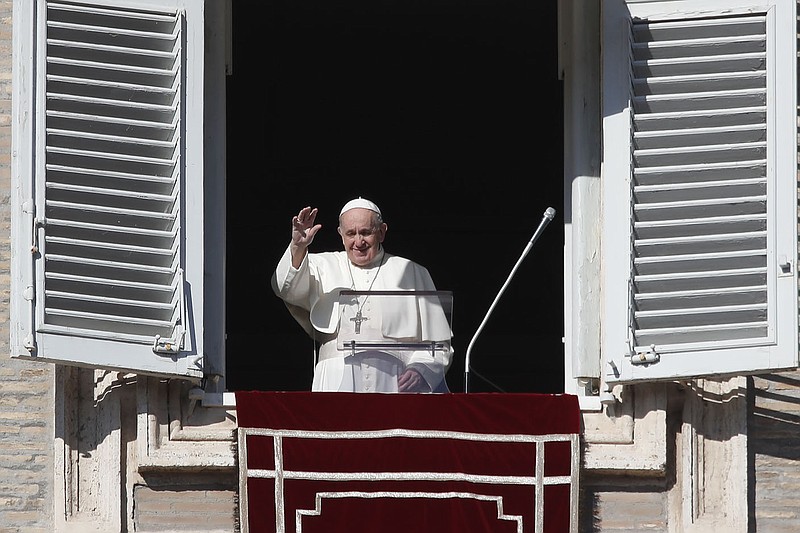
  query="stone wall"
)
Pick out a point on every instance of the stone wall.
point(774, 446)
point(189, 503)
point(26, 389)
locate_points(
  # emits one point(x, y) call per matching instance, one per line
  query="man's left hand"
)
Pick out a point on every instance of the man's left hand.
point(412, 381)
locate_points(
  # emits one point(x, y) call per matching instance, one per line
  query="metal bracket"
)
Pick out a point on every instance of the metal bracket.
point(29, 343)
point(169, 346)
point(784, 266)
point(175, 344)
point(645, 356)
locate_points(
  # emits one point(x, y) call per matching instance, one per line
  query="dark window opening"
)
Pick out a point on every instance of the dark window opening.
point(448, 116)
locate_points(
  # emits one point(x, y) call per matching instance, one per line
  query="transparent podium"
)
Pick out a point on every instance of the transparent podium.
point(400, 323)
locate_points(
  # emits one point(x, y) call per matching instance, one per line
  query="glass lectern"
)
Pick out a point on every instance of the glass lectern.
point(401, 323)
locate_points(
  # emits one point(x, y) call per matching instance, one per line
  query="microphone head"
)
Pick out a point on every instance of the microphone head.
point(550, 213)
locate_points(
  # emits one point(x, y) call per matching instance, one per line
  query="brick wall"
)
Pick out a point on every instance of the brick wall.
point(26, 396)
point(623, 504)
point(774, 442)
point(208, 506)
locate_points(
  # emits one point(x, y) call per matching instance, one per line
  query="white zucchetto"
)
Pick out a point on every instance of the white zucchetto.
point(362, 203)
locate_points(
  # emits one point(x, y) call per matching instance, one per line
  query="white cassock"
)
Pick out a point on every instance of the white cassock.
point(312, 295)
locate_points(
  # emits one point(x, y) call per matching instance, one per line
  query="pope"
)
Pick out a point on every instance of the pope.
point(310, 285)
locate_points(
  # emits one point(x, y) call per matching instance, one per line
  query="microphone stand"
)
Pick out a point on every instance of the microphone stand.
point(549, 213)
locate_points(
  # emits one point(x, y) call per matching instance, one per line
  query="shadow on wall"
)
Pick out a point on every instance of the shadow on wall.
point(774, 418)
point(774, 451)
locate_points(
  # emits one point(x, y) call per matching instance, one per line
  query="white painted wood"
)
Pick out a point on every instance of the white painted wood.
point(581, 72)
point(713, 294)
point(70, 315)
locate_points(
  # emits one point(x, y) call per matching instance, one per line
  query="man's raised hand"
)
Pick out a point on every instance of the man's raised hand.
point(304, 228)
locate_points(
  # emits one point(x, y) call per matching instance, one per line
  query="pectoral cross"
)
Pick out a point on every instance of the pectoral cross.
point(358, 319)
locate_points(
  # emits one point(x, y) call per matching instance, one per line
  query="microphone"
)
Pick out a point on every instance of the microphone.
point(549, 213)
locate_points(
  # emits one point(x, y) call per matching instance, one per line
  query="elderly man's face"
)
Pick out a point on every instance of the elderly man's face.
point(361, 235)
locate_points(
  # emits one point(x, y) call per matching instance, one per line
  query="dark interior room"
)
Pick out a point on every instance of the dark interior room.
point(446, 114)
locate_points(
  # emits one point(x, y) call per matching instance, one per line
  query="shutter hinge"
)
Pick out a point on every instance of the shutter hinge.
point(29, 208)
point(37, 223)
point(29, 343)
point(29, 294)
point(643, 356)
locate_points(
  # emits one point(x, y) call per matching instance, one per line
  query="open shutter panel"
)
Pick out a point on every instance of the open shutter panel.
point(699, 183)
point(704, 280)
point(110, 287)
point(112, 181)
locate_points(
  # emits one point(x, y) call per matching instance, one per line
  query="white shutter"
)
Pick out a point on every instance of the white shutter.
point(111, 201)
point(704, 245)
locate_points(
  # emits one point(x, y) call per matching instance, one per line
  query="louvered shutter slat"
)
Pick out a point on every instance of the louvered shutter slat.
point(90, 286)
point(109, 234)
point(125, 327)
point(111, 240)
point(693, 222)
point(734, 333)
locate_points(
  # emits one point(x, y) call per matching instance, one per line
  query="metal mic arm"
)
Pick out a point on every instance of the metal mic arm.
point(549, 213)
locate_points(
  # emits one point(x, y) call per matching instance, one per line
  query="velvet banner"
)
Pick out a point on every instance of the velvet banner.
point(410, 463)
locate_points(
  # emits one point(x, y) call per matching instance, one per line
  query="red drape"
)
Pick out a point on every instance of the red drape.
point(358, 463)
